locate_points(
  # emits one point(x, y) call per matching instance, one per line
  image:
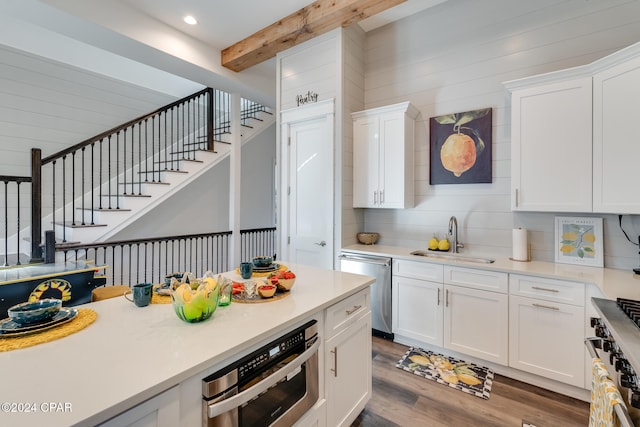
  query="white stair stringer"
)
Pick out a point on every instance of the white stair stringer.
point(109, 222)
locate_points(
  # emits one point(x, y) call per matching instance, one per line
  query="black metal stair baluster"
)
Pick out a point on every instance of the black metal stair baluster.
point(153, 247)
point(146, 151)
point(154, 154)
point(139, 158)
point(73, 188)
point(93, 195)
point(18, 224)
point(53, 193)
point(165, 136)
point(124, 163)
point(121, 263)
point(82, 185)
point(133, 163)
point(64, 198)
point(109, 194)
point(173, 141)
point(117, 176)
point(185, 145)
point(6, 223)
point(153, 150)
point(100, 174)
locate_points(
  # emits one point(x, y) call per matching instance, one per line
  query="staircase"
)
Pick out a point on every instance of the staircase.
point(94, 189)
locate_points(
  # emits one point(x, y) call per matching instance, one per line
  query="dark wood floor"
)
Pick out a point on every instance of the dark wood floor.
point(403, 399)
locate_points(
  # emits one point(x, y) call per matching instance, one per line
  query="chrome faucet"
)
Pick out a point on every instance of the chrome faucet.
point(453, 232)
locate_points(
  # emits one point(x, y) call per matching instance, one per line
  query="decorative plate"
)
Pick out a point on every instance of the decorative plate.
point(243, 298)
point(9, 328)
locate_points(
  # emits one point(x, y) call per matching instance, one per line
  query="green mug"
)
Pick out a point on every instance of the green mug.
point(141, 294)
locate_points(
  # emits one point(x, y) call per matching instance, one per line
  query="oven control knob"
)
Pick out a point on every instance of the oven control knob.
point(613, 356)
point(610, 345)
point(629, 381)
point(602, 331)
point(635, 398)
point(623, 366)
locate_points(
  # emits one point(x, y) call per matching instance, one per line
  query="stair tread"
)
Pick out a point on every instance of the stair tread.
point(145, 182)
point(78, 224)
point(181, 160)
point(104, 209)
point(163, 170)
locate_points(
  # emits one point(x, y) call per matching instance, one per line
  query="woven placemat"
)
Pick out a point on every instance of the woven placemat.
point(160, 299)
point(86, 316)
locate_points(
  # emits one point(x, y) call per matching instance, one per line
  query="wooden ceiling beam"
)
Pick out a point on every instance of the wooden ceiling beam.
point(313, 20)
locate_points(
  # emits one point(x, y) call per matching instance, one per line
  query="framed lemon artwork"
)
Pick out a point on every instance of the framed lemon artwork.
point(460, 148)
point(578, 240)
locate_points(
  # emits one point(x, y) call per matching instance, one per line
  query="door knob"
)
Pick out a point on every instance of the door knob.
point(323, 243)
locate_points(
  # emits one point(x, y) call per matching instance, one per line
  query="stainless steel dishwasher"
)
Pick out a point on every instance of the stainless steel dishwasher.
point(380, 268)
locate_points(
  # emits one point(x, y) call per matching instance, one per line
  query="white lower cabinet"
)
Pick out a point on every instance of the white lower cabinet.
point(462, 309)
point(546, 339)
point(348, 378)
point(162, 410)
point(476, 323)
point(547, 327)
point(418, 309)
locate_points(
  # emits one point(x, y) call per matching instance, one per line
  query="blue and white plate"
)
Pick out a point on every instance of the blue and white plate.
point(9, 328)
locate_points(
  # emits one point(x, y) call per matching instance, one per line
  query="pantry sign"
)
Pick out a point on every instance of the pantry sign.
point(307, 98)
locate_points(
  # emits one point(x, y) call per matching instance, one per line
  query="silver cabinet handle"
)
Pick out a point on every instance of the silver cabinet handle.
point(516, 197)
point(381, 197)
point(544, 289)
point(548, 307)
point(438, 296)
point(335, 361)
point(375, 197)
point(353, 310)
point(446, 298)
point(323, 243)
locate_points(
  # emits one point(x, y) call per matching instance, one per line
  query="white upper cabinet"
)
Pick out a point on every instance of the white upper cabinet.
point(616, 145)
point(383, 151)
point(551, 147)
point(572, 148)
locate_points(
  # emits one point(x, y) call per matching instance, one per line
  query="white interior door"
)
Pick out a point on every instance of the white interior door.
point(310, 187)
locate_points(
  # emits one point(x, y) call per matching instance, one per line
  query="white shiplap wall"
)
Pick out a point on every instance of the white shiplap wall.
point(454, 57)
point(353, 100)
point(50, 105)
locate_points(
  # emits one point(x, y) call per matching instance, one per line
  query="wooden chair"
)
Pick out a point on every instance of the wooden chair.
point(106, 292)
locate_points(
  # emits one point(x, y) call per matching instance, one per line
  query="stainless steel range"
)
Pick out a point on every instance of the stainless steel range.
point(617, 333)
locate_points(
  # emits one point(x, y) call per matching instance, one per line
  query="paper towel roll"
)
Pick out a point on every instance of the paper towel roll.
point(520, 244)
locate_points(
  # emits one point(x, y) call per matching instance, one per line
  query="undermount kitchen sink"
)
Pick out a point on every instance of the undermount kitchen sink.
point(454, 257)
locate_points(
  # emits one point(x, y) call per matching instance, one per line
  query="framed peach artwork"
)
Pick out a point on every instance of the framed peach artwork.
point(460, 148)
point(579, 241)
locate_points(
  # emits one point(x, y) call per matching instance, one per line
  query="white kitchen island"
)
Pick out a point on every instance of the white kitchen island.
point(132, 356)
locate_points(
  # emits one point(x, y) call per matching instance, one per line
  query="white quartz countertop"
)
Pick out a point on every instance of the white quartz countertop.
point(613, 283)
point(130, 354)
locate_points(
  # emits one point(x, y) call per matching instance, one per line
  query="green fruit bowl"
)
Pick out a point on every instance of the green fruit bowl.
point(198, 305)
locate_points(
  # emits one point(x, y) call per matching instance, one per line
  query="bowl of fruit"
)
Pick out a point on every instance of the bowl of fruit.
point(266, 290)
point(283, 280)
point(196, 305)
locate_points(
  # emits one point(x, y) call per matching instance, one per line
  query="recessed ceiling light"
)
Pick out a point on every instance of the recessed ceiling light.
point(190, 20)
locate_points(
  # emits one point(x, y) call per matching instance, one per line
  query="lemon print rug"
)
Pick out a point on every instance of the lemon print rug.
point(463, 376)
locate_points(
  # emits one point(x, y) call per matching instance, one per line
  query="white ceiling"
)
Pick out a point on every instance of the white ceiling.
point(222, 23)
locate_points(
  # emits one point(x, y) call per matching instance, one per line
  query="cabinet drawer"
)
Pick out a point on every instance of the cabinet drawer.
point(418, 270)
point(477, 279)
point(547, 289)
point(346, 312)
